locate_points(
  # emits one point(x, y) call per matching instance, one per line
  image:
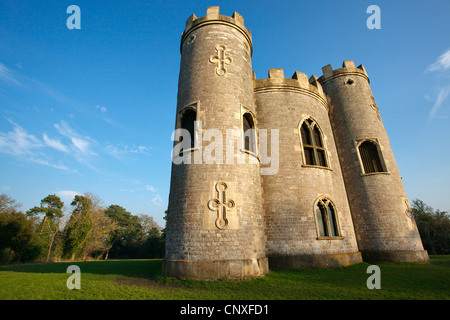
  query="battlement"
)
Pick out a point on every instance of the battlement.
point(348, 68)
point(213, 16)
point(299, 82)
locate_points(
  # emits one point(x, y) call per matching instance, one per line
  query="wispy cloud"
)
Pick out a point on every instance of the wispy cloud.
point(150, 188)
point(18, 141)
point(101, 108)
point(49, 164)
point(25, 146)
point(81, 147)
point(7, 75)
point(442, 96)
point(55, 144)
point(118, 151)
point(441, 64)
point(157, 200)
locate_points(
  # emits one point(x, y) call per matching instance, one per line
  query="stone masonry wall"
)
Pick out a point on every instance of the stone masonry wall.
point(377, 200)
point(290, 195)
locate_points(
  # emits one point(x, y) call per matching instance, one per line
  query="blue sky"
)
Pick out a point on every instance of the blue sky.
point(92, 110)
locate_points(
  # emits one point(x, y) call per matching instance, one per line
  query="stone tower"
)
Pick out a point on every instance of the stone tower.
point(308, 220)
point(215, 227)
point(384, 227)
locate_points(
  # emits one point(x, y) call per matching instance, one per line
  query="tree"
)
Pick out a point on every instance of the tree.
point(148, 224)
point(7, 204)
point(154, 241)
point(78, 227)
point(103, 227)
point(51, 207)
point(88, 230)
point(18, 240)
point(433, 226)
point(126, 239)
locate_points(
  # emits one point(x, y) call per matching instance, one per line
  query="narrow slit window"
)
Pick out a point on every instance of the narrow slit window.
point(249, 133)
point(188, 123)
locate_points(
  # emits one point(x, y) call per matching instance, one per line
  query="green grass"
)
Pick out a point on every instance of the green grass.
point(142, 279)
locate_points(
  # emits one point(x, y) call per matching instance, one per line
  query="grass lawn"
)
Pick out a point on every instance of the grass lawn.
point(142, 280)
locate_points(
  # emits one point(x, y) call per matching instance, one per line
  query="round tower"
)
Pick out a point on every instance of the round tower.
point(215, 227)
point(308, 220)
point(384, 227)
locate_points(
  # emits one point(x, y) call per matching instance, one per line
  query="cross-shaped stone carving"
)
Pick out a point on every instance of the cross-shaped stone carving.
point(220, 205)
point(221, 59)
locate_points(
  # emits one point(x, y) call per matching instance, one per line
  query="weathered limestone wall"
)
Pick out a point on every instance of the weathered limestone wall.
point(290, 195)
point(377, 200)
point(216, 80)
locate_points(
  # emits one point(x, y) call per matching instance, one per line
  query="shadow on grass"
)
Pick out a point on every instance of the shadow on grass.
point(149, 269)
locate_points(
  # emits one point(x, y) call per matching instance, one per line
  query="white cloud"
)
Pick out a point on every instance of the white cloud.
point(443, 95)
point(102, 109)
point(150, 188)
point(67, 196)
point(18, 142)
point(26, 147)
point(441, 64)
point(139, 149)
point(7, 75)
point(119, 151)
point(48, 164)
point(67, 193)
point(156, 200)
point(81, 145)
point(55, 144)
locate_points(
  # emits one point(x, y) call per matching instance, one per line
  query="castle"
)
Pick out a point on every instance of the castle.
point(336, 197)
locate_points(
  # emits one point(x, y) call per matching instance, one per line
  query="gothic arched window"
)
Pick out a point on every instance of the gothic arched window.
point(249, 132)
point(370, 157)
point(188, 123)
point(326, 219)
point(313, 146)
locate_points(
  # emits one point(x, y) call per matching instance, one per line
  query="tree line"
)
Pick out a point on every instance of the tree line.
point(433, 226)
point(90, 231)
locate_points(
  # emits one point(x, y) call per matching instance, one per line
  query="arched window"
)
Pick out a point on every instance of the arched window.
point(187, 122)
point(313, 146)
point(249, 132)
point(370, 157)
point(326, 218)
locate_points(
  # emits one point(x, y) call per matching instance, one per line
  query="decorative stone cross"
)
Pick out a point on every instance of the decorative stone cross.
point(220, 205)
point(221, 59)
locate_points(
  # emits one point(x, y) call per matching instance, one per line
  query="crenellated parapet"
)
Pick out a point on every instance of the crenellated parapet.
point(213, 16)
point(348, 68)
point(298, 83)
